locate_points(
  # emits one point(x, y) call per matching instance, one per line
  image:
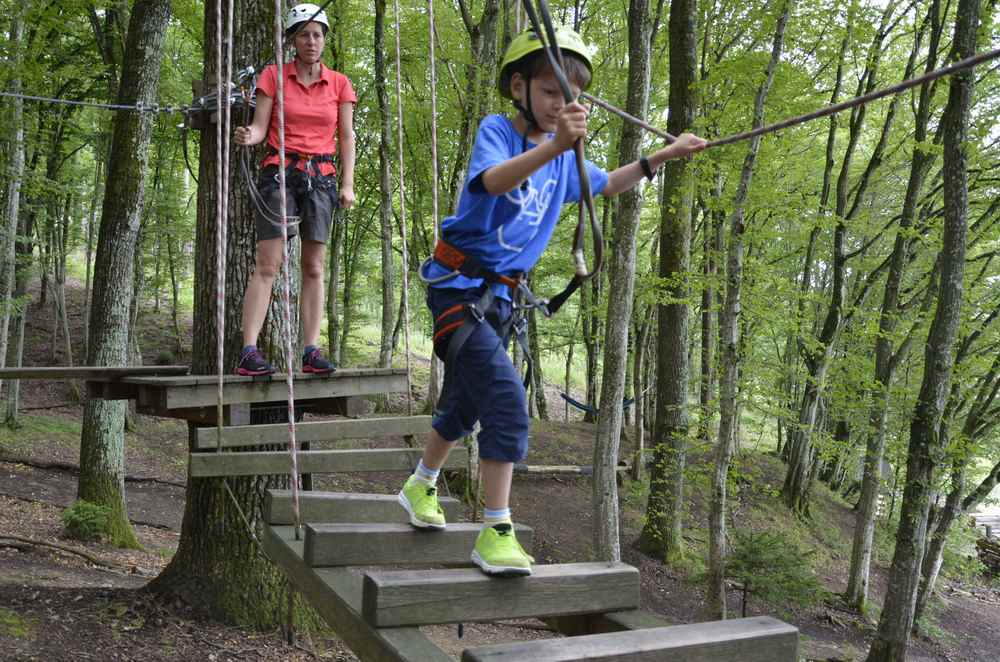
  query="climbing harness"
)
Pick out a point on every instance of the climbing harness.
point(454, 326)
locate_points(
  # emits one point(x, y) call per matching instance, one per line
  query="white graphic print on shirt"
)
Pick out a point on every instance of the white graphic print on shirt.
point(519, 232)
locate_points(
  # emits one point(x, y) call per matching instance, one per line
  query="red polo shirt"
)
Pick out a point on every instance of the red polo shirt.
point(311, 113)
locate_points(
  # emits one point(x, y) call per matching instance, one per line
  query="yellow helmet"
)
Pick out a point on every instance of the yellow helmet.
point(528, 42)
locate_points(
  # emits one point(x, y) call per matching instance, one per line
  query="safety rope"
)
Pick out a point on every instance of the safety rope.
point(555, 58)
point(138, 107)
point(402, 214)
point(222, 150)
point(434, 134)
point(222, 200)
point(287, 290)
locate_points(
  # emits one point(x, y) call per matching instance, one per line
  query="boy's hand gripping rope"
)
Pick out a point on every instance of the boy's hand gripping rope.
point(555, 57)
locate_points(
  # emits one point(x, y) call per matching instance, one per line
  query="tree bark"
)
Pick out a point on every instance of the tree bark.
point(665, 508)
point(13, 193)
point(217, 565)
point(102, 445)
point(729, 338)
point(893, 634)
point(607, 544)
point(385, 189)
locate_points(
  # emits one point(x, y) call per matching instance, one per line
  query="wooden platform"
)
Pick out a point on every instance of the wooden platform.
point(99, 373)
point(195, 397)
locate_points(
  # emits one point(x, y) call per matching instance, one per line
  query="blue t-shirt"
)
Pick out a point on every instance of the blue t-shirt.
point(508, 233)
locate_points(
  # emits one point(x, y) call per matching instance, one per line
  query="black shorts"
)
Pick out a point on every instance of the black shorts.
point(313, 205)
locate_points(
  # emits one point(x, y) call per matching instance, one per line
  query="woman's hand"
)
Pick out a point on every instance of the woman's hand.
point(346, 197)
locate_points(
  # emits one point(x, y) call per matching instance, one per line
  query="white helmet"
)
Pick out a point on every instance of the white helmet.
point(305, 12)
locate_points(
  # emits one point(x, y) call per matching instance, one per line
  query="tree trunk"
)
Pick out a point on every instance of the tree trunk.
point(8, 232)
point(537, 374)
point(639, 361)
point(607, 545)
point(664, 530)
point(102, 445)
point(332, 302)
point(385, 190)
point(728, 332)
point(887, 358)
point(217, 566)
point(89, 250)
point(897, 612)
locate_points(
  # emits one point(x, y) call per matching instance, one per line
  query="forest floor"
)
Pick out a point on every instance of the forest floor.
point(58, 605)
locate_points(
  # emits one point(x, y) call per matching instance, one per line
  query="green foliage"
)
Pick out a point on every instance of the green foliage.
point(774, 568)
point(86, 521)
point(960, 559)
point(13, 626)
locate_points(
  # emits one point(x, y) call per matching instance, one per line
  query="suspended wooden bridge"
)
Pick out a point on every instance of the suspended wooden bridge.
point(375, 579)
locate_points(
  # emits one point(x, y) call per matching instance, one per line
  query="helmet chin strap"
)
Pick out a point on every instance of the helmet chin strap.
point(529, 117)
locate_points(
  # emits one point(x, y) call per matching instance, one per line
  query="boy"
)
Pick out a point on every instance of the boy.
point(520, 173)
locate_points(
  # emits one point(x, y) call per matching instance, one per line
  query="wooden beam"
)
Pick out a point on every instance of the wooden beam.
point(394, 544)
point(345, 507)
point(361, 428)
point(759, 639)
point(425, 597)
point(167, 393)
point(91, 372)
point(335, 593)
point(258, 463)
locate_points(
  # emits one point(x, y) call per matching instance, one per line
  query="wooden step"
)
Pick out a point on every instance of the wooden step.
point(163, 394)
point(758, 639)
point(207, 465)
point(395, 544)
point(344, 507)
point(425, 597)
point(207, 438)
point(335, 594)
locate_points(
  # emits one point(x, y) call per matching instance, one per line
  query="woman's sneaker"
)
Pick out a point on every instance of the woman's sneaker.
point(314, 361)
point(253, 364)
point(421, 502)
point(497, 552)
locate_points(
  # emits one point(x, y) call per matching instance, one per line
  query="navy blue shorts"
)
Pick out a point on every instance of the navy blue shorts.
point(483, 384)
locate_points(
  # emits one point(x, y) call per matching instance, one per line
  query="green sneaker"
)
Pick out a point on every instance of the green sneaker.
point(421, 502)
point(497, 552)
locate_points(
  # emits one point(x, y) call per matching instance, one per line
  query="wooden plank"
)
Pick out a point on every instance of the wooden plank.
point(758, 639)
point(91, 372)
point(336, 386)
point(345, 507)
point(394, 544)
point(424, 597)
point(361, 428)
point(335, 593)
point(301, 377)
point(257, 463)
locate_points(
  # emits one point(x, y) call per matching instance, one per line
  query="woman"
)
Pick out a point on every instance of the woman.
point(319, 109)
